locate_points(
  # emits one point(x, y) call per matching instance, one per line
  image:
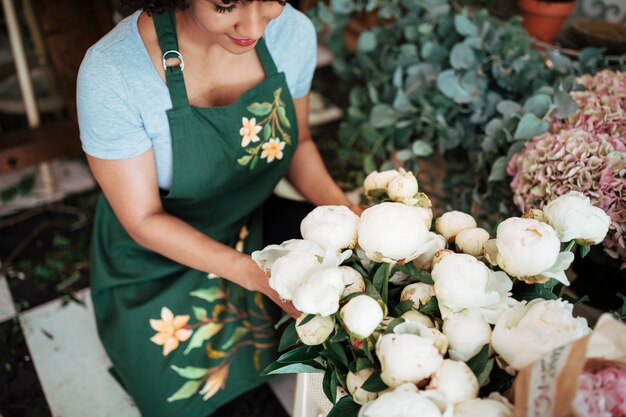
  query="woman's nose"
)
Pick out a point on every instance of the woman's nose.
point(252, 23)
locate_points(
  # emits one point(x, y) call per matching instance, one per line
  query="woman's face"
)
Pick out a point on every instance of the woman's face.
point(236, 26)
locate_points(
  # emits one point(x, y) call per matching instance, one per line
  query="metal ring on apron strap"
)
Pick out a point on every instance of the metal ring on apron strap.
point(178, 55)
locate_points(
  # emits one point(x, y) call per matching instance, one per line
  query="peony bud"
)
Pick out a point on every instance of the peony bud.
point(352, 280)
point(471, 241)
point(320, 292)
point(354, 383)
point(316, 330)
point(452, 222)
point(392, 232)
point(402, 186)
point(407, 401)
point(467, 333)
point(378, 181)
point(361, 315)
point(574, 217)
point(417, 317)
point(484, 407)
point(438, 256)
point(290, 270)
point(419, 293)
point(332, 227)
point(455, 380)
point(424, 261)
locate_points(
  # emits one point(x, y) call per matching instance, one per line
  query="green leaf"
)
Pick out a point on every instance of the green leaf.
point(368, 163)
point(538, 105)
point(507, 108)
point(267, 131)
point(565, 105)
point(402, 103)
point(382, 115)
point(402, 307)
point(367, 42)
point(340, 335)
point(584, 250)
point(282, 116)
point(479, 361)
point(404, 155)
point(529, 292)
point(307, 319)
point(464, 26)
point(345, 407)
point(289, 337)
point(293, 368)
point(284, 319)
point(366, 350)
point(235, 337)
point(208, 294)
point(462, 57)
point(255, 161)
point(336, 351)
point(188, 389)
point(483, 378)
point(569, 246)
point(362, 363)
point(330, 389)
point(498, 169)
point(199, 313)
point(530, 126)
point(374, 383)
point(450, 85)
point(297, 355)
point(432, 306)
point(244, 160)
point(190, 372)
point(202, 334)
point(393, 323)
point(381, 281)
point(260, 109)
point(422, 148)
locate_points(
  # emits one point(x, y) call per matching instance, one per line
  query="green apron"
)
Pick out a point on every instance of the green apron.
point(183, 343)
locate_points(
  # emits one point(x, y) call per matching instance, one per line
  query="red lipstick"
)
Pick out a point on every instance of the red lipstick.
point(243, 42)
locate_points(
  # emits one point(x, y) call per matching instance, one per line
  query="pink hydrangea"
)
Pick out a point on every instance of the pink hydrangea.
point(585, 153)
point(601, 394)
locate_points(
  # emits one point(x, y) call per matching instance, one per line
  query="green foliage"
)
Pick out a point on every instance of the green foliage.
point(428, 79)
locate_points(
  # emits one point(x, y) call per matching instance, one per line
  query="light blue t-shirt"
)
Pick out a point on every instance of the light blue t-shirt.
point(122, 100)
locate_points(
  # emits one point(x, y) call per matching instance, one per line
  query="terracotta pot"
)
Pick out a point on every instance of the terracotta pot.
point(543, 19)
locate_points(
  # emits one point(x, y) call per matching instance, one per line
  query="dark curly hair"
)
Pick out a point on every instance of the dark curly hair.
point(159, 6)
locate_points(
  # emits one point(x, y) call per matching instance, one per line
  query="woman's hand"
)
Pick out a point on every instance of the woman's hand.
point(259, 282)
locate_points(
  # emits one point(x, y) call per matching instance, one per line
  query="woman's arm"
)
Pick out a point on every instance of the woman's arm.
point(131, 189)
point(307, 171)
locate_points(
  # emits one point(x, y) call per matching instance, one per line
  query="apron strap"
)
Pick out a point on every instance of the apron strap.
point(165, 25)
point(266, 58)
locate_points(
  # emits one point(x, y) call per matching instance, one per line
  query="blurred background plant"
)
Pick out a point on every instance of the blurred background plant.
point(465, 88)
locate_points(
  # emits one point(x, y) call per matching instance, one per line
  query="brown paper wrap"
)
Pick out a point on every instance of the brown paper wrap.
point(547, 387)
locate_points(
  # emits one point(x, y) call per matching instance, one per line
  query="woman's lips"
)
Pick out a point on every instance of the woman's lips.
point(243, 42)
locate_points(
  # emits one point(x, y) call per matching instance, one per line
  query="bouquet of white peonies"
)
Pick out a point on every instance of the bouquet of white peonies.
point(405, 321)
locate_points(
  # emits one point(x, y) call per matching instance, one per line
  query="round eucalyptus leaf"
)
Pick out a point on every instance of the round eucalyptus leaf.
point(462, 57)
point(450, 85)
point(538, 105)
point(464, 26)
point(422, 148)
point(404, 155)
point(530, 126)
point(382, 115)
point(367, 42)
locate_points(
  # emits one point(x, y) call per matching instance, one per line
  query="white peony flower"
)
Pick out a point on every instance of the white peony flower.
point(439, 256)
point(455, 380)
point(440, 341)
point(289, 272)
point(467, 333)
point(419, 293)
point(354, 383)
point(471, 241)
point(574, 217)
point(529, 330)
point(316, 330)
point(406, 358)
point(392, 232)
point(452, 222)
point(407, 401)
point(425, 260)
point(462, 282)
point(320, 292)
point(417, 317)
point(331, 227)
point(529, 250)
point(402, 186)
point(361, 315)
point(378, 181)
point(352, 280)
point(484, 407)
point(265, 258)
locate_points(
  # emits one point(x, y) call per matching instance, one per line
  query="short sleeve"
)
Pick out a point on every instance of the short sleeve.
point(110, 126)
point(292, 42)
